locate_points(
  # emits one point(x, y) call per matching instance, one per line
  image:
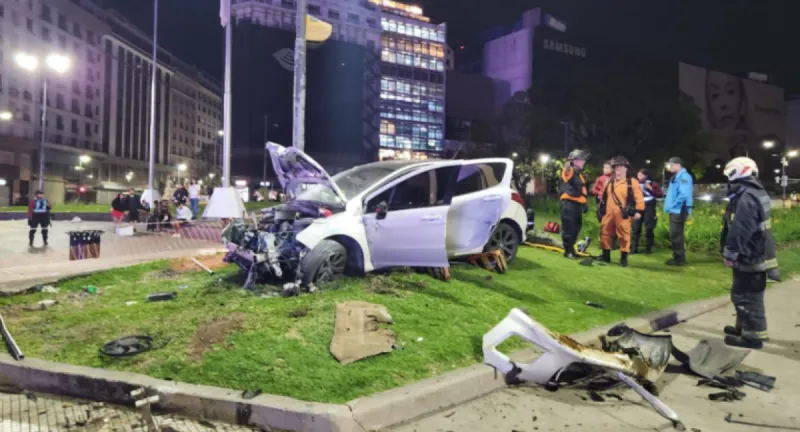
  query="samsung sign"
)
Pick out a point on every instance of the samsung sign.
point(551, 45)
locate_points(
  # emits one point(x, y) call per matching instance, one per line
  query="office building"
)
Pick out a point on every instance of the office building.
point(188, 111)
point(400, 60)
point(74, 108)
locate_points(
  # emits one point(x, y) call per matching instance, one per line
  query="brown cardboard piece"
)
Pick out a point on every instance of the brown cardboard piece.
point(357, 333)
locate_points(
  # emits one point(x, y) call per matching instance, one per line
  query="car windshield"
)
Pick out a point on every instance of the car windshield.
point(351, 182)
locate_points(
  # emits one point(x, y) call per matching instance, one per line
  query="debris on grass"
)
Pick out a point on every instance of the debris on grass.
point(202, 266)
point(381, 284)
point(50, 289)
point(165, 296)
point(595, 305)
point(185, 265)
point(250, 394)
point(299, 312)
point(211, 333)
point(358, 334)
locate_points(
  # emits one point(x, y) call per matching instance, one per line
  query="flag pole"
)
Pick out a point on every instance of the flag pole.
point(299, 118)
point(150, 196)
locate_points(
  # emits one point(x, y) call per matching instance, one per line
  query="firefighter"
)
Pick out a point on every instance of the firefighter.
point(749, 249)
point(573, 200)
point(38, 216)
point(621, 201)
point(650, 191)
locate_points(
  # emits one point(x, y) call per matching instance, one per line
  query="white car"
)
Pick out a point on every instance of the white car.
point(379, 215)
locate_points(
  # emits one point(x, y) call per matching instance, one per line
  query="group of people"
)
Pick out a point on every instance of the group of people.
point(627, 204)
point(187, 206)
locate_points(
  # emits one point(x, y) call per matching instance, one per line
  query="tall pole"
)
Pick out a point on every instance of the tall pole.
point(44, 133)
point(226, 124)
point(152, 168)
point(298, 129)
point(784, 162)
point(264, 150)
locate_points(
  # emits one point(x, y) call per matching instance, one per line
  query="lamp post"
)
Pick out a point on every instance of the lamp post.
point(181, 167)
point(57, 63)
point(544, 158)
point(83, 159)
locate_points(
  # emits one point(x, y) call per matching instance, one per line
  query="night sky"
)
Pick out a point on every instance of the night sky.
point(736, 36)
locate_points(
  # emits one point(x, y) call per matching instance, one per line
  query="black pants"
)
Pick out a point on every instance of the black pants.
point(648, 221)
point(571, 224)
point(677, 223)
point(747, 296)
point(38, 220)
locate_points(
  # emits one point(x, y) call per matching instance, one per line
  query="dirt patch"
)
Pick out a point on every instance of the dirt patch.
point(163, 274)
point(381, 284)
point(183, 265)
point(211, 333)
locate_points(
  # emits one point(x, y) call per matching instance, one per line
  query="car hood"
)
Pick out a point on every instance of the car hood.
point(293, 167)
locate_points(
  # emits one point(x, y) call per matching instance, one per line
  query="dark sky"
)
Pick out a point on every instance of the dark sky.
point(737, 36)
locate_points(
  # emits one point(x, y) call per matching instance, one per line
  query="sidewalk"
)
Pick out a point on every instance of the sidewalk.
point(47, 413)
point(531, 408)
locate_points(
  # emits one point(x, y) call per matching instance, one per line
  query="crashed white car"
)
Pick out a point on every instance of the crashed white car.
point(378, 215)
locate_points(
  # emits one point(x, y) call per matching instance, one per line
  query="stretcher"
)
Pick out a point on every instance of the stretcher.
point(555, 249)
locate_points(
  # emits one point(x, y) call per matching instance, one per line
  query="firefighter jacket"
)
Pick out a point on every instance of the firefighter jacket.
point(573, 185)
point(622, 194)
point(746, 238)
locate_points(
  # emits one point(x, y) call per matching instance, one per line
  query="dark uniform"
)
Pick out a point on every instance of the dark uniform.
point(573, 203)
point(748, 246)
point(649, 217)
point(38, 216)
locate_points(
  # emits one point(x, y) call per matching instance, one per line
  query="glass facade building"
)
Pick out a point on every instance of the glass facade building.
point(412, 83)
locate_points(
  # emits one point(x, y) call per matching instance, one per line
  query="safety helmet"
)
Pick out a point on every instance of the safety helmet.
point(620, 161)
point(578, 154)
point(741, 167)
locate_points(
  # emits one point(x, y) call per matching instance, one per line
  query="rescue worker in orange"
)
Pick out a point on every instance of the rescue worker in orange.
point(621, 203)
point(573, 200)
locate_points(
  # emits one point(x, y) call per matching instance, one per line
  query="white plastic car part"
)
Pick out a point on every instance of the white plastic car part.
point(560, 352)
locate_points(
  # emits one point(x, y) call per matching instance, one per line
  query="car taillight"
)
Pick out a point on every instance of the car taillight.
point(515, 196)
point(325, 212)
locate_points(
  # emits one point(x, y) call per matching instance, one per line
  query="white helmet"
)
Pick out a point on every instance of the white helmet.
point(741, 167)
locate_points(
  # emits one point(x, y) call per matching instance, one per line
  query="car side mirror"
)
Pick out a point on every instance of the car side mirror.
point(381, 210)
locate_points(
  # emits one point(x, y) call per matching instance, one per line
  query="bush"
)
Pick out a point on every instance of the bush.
point(702, 229)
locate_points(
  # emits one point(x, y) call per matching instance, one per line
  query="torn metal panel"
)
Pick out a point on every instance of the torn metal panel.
point(357, 334)
point(710, 358)
point(559, 352)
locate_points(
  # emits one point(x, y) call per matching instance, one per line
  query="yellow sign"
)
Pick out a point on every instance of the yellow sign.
point(317, 30)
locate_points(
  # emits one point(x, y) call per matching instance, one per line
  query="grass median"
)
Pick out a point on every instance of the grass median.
point(223, 336)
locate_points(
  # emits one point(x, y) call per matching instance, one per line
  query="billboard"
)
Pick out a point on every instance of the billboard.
point(739, 113)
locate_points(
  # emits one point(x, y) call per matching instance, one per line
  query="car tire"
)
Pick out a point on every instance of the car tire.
point(506, 238)
point(326, 262)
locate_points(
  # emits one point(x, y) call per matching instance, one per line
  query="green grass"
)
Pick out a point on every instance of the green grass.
point(290, 356)
point(102, 208)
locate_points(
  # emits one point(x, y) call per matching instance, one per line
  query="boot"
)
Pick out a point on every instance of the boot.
point(732, 331)
point(606, 256)
point(623, 260)
point(44, 236)
point(676, 262)
point(743, 342)
point(31, 235)
point(648, 246)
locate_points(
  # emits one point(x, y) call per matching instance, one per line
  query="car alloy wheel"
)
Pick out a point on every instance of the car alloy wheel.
point(506, 239)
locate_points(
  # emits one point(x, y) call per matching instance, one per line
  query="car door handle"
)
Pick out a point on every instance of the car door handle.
point(492, 198)
point(431, 218)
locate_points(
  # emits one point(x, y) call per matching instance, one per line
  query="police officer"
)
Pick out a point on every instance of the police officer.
point(749, 249)
point(650, 191)
point(38, 216)
point(573, 200)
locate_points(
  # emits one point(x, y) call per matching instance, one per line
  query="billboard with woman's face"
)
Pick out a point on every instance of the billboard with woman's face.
point(740, 113)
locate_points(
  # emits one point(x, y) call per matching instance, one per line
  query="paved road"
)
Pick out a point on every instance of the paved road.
point(47, 413)
point(531, 408)
point(19, 263)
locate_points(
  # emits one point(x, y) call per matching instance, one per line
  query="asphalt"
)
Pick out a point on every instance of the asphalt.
point(532, 408)
point(21, 265)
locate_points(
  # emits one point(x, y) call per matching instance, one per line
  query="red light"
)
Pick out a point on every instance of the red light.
point(516, 197)
point(82, 189)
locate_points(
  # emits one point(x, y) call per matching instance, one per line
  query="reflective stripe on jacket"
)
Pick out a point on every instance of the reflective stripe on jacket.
point(746, 237)
point(572, 187)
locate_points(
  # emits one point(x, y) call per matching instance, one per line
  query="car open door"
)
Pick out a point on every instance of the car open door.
point(406, 219)
point(483, 191)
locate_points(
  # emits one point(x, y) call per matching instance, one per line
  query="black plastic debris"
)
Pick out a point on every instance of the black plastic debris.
point(596, 397)
point(595, 305)
point(730, 395)
point(130, 346)
point(756, 380)
point(165, 296)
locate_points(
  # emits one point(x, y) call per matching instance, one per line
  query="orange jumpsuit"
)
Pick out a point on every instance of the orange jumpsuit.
point(613, 222)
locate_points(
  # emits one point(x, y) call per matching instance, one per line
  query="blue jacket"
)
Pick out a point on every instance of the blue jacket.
point(679, 193)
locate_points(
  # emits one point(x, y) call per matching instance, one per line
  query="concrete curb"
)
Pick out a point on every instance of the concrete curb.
point(371, 413)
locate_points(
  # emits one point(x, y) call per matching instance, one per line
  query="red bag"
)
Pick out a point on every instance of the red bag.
point(552, 227)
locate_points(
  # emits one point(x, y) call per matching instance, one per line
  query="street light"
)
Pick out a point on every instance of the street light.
point(85, 159)
point(768, 144)
point(544, 158)
point(129, 176)
point(57, 63)
point(221, 133)
point(647, 161)
point(181, 168)
point(6, 115)
point(792, 153)
point(515, 155)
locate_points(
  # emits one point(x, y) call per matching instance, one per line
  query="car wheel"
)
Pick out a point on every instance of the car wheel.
point(505, 238)
point(326, 262)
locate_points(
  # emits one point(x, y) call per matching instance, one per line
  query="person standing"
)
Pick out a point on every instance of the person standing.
point(194, 197)
point(118, 207)
point(38, 216)
point(650, 191)
point(573, 200)
point(678, 205)
point(749, 250)
point(133, 204)
point(621, 201)
point(601, 182)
